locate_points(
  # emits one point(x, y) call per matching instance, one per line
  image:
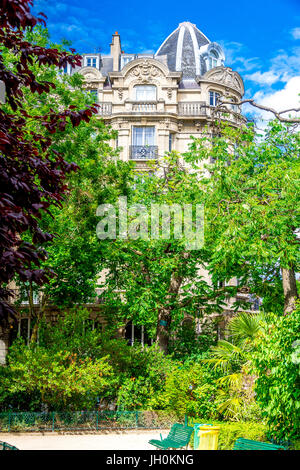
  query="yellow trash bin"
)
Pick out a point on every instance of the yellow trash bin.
point(208, 437)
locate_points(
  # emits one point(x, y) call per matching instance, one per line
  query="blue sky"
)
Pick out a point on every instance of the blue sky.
point(261, 38)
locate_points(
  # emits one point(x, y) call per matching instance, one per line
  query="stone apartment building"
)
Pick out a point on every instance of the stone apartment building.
point(156, 102)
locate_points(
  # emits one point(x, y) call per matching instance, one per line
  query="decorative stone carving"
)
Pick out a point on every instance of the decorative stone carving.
point(145, 71)
point(227, 77)
point(198, 126)
point(120, 93)
point(169, 93)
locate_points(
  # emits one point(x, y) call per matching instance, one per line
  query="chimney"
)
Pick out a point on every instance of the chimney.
point(115, 50)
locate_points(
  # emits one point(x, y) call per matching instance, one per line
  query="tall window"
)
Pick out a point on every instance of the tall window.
point(171, 138)
point(213, 98)
point(137, 334)
point(145, 92)
point(143, 136)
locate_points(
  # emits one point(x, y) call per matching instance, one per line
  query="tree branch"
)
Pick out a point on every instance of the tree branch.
point(277, 114)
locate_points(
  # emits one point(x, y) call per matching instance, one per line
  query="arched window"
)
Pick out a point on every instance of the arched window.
point(145, 93)
point(213, 98)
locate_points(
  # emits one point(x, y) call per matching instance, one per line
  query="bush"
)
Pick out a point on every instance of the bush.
point(278, 380)
point(190, 388)
point(60, 380)
point(187, 343)
point(142, 374)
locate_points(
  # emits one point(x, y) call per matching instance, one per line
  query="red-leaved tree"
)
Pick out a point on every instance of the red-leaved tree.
point(32, 173)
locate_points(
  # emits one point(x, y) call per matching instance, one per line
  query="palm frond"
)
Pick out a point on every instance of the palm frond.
point(224, 354)
point(243, 327)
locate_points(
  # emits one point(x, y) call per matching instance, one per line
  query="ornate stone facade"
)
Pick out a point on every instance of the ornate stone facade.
point(180, 84)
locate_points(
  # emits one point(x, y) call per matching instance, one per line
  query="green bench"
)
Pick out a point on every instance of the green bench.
point(178, 437)
point(6, 446)
point(247, 444)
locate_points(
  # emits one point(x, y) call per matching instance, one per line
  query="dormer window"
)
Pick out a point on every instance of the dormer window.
point(213, 98)
point(145, 93)
point(213, 60)
point(125, 59)
point(91, 61)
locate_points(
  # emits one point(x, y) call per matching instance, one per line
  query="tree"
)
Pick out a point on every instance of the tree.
point(157, 277)
point(252, 207)
point(74, 253)
point(32, 172)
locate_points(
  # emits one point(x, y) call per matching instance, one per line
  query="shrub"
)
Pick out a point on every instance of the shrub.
point(187, 343)
point(278, 380)
point(142, 374)
point(59, 380)
point(190, 388)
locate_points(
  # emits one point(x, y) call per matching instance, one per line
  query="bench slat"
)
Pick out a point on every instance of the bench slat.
point(179, 436)
point(248, 444)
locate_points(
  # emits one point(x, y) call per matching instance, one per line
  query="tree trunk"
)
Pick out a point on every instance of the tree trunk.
point(162, 329)
point(289, 289)
point(164, 315)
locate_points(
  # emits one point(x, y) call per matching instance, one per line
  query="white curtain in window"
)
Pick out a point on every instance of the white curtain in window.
point(145, 93)
point(143, 136)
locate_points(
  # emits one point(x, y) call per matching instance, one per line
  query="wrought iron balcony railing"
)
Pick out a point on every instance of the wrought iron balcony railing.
point(141, 152)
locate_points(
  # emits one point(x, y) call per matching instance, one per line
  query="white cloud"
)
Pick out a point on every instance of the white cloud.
point(286, 65)
point(265, 78)
point(280, 100)
point(286, 98)
point(296, 33)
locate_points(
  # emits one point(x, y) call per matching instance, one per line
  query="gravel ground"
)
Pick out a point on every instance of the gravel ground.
point(122, 440)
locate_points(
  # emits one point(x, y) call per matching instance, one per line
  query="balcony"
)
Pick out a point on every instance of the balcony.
point(143, 152)
point(105, 109)
point(144, 107)
point(196, 108)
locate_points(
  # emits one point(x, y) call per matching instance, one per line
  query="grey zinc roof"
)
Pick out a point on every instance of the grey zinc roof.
point(182, 49)
point(106, 65)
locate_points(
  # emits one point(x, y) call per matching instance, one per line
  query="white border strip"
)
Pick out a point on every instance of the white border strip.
point(196, 48)
point(179, 48)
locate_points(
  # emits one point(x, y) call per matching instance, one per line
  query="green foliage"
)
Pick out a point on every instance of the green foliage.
point(75, 255)
point(186, 343)
point(141, 373)
point(232, 358)
point(278, 380)
point(251, 202)
point(190, 388)
point(61, 379)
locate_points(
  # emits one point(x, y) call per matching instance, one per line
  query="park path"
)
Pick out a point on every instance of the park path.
point(122, 440)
